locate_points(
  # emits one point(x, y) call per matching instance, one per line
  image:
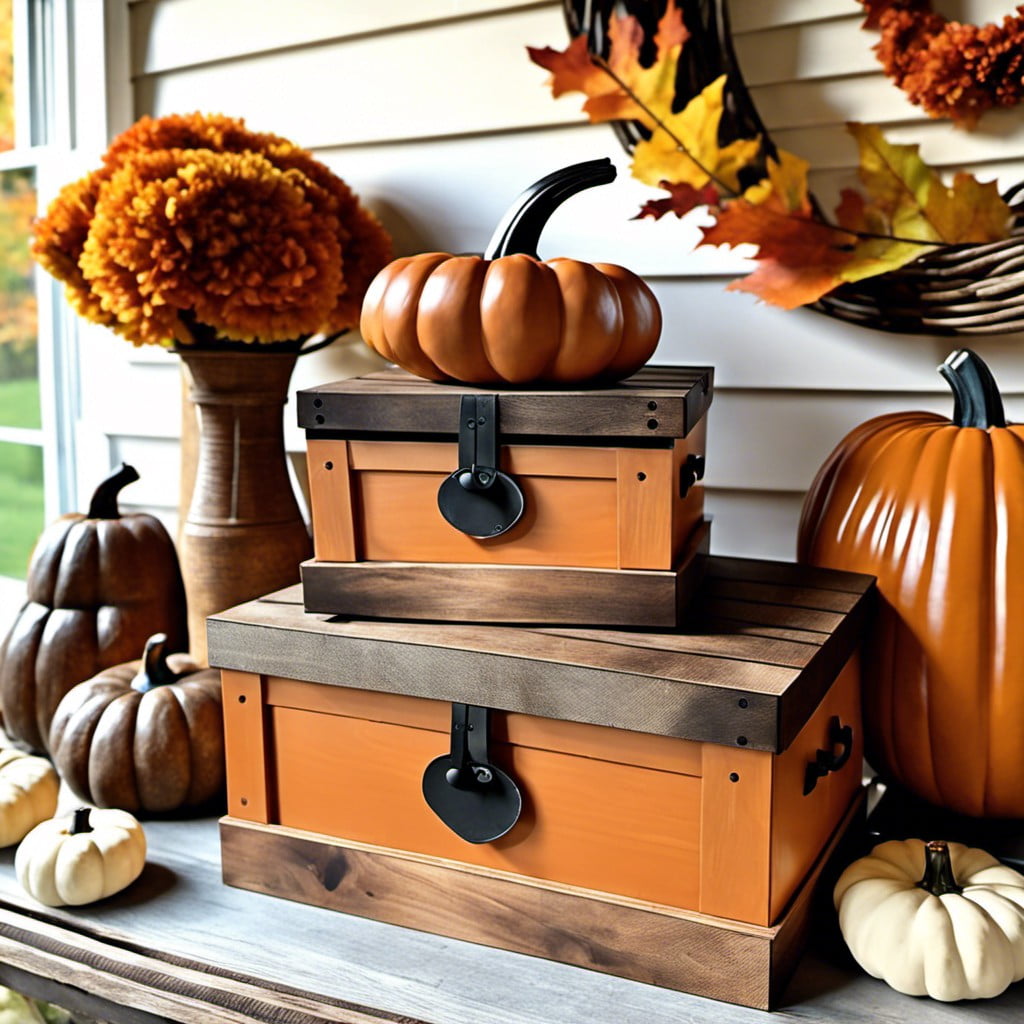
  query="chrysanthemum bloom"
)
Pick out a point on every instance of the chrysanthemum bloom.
point(196, 227)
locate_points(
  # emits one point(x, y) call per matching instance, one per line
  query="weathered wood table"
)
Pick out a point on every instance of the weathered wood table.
point(180, 946)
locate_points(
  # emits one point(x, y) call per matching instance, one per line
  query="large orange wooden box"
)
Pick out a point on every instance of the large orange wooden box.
point(681, 790)
point(612, 525)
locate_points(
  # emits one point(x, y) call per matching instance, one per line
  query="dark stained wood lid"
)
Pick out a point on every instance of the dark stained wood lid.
point(658, 402)
point(770, 640)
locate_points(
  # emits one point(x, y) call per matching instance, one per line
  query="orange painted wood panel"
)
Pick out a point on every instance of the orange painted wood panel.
point(801, 825)
point(522, 460)
point(334, 538)
point(688, 510)
point(590, 823)
point(646, 495)
point(664, 753)
point(735, 833)
point(566, 522)
point(244, 737)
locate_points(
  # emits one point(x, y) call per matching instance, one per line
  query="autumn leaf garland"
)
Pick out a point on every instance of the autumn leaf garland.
point(905, 210)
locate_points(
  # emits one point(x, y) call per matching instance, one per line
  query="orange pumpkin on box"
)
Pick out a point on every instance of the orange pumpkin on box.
point(935, 509)
point(508, 317)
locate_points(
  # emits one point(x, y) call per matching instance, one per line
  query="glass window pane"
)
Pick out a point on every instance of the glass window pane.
point(19, 365)
point(21, 498)
point(6, 75)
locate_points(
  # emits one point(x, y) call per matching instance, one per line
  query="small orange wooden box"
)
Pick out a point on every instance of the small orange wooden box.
point(684, 784)
point(610, 480)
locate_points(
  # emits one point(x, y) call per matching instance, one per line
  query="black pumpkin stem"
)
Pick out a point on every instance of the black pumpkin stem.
point(80, 821)
point(155, 671)
point(976, 398)
point(104, 498)
point(520, 228)
point(938, 878)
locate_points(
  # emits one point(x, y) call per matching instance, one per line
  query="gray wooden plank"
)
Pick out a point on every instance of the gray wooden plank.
point(180, 909)
point(654, 691)
point(658, 404)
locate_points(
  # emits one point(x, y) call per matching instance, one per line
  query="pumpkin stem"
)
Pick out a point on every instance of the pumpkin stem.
point(976, 398)
point(520, 228)
point(104, 498)
point(155, 671)
point(938, 870)
point(80, 821)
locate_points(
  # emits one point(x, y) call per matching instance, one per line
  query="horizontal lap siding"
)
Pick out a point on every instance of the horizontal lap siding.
point(431, 110)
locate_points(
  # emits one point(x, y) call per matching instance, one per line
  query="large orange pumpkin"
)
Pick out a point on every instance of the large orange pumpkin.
point(935, 509)
point(508, 317)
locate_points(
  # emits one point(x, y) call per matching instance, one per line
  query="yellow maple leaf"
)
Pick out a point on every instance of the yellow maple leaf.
point(684, 146)
point(914, 203)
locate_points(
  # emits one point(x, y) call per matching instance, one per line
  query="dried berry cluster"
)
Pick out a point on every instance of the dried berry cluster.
point(948, 68)
point(196, 229)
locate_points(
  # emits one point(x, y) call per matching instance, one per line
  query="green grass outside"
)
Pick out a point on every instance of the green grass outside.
point(21, 479)
point(21, 506)
point(19, 403)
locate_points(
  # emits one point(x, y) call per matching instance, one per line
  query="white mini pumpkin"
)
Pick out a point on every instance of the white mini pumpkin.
point(28, 793)
point(82, 857)
point(937, 919)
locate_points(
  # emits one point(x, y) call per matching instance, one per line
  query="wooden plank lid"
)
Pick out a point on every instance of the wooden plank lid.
point(659, 402)
point(767, 641)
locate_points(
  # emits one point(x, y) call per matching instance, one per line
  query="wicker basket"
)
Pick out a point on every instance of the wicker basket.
point(955, 289)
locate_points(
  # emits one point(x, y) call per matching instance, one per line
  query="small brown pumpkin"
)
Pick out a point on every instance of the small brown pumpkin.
point(98, 585)
point(144, 736)
point(509, 318)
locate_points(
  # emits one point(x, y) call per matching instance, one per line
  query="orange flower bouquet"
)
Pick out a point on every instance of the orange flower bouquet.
point(197, 232)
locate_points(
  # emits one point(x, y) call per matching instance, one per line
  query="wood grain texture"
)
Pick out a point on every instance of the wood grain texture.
point(507, 593)
point(630, 938)
point(584, 506)
point(800, 822)
point(735, 833)
point(330, 499)
point(392, 401)
point(646, 493)
point(634, 748)
point(686, 685)
point(245, 737)
point(588, 822)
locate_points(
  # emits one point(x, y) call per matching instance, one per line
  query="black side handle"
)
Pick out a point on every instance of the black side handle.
point(840, 737)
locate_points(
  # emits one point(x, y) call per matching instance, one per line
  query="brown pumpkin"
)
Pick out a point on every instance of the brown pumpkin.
point(935, 509)
point(144, 736)
point(98, 585)
point(509, 318)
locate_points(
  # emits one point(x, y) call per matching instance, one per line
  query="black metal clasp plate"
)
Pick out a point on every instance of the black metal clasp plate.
point(478, 498)
point(473, 797)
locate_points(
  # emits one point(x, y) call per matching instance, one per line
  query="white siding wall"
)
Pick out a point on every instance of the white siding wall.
point(431, 110)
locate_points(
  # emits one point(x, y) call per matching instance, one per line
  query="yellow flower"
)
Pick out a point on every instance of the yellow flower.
point(194, 221)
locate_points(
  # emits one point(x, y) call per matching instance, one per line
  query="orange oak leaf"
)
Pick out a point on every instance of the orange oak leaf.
point(682, 198)
point(620, 88)
point(799, 258)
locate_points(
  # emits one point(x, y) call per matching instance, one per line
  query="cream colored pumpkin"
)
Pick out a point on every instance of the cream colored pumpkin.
point(81, 858)
point(28, 793)
point(936, 919)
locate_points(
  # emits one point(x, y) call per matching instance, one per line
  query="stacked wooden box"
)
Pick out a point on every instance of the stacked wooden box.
point(681, 790)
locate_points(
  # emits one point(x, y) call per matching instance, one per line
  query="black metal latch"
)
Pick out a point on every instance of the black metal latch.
point(476, 799)
point(829, 760)
point(478, 498)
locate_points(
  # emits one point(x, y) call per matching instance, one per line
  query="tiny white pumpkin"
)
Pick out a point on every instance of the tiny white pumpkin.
point(28, 793)
point(82, 857)
point(938, 919)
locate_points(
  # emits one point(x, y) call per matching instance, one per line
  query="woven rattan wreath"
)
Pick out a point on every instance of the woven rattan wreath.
point(953, 290)
point(949, 68)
